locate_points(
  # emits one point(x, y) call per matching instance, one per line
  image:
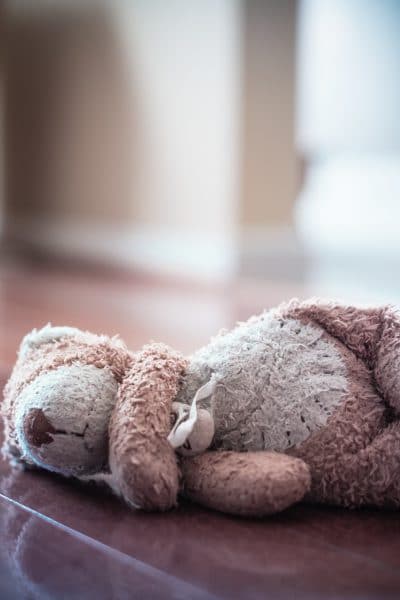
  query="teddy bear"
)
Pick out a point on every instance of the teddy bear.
point(299, 403)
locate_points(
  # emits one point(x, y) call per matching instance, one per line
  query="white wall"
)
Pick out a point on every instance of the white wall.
point(349, 130)
point(184, 65)
point(349, 83)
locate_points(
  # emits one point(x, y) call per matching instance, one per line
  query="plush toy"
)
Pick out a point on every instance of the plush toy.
point(299, 403)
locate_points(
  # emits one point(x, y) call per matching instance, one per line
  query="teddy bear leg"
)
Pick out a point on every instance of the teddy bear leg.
point(387, 358)
point(370, 477)
point(251, 484)
point(373, 334)
point(357, 328)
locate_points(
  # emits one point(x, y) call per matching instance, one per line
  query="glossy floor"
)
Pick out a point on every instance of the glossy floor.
point(63, 540)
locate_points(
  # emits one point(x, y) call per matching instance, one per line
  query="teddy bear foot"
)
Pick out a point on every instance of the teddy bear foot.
point(253, 484)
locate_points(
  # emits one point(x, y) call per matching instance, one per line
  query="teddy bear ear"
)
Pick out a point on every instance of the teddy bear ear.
point(143, 463)
point(38, 337)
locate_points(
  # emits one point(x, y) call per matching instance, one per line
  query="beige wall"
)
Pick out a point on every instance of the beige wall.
point(269, 176)
point(2, 46)
point(184, 66)
point(69, 134)
point(172, 123)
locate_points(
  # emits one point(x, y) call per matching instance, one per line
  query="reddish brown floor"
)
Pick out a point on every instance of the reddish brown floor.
point(62, 540)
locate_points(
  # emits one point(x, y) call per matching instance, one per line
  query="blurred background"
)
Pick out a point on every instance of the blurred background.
point(206, 140)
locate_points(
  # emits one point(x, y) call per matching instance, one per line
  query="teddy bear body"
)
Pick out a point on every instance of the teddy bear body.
point(285, 384)
point(277, 382)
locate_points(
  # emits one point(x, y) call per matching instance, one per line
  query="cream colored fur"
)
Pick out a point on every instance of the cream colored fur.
point(77, 400)
point(278, 381)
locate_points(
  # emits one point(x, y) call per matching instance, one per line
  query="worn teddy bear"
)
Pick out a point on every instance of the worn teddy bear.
point(301, 402)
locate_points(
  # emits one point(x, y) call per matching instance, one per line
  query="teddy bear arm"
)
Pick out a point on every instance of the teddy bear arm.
point(245, 483)
point(143, 464)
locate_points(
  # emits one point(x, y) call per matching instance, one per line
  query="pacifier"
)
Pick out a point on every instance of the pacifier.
point(192, 428)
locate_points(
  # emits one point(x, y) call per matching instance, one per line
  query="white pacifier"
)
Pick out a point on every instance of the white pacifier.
point(193, 430)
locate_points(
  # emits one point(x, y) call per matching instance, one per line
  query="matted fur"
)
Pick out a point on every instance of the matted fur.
point(143, 464)
point(278, 381)
point(247, 483)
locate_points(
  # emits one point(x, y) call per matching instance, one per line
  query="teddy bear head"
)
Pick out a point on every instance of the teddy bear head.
point(59, 399)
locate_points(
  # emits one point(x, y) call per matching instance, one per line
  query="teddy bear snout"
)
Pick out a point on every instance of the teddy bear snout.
point(62, 419)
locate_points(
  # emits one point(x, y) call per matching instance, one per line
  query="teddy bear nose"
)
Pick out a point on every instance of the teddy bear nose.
point(37, 428)
point(62, 419)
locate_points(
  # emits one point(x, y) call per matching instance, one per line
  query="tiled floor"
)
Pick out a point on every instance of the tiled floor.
point(63, 540)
